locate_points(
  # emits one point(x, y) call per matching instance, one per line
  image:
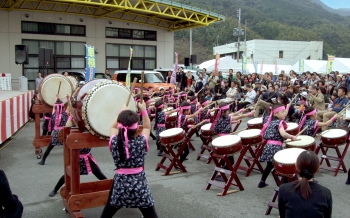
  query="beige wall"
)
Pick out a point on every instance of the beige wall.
point(10, 35)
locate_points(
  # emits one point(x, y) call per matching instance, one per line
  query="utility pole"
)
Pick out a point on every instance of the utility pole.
point(190, 47)
point(239, 33)
point(245, 37)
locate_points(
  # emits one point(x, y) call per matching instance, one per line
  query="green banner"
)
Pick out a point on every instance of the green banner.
point(244, 65)
point(330, 63)
point(301, 65)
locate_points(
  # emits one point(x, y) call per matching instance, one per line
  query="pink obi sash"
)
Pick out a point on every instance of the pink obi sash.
point(58, 127)
point(160, 125)
point(274, 142)
point(87, 163)
point(128, 171)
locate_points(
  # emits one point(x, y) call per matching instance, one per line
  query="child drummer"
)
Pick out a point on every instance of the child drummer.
point(223, 124)
point(274, 132)
point(309, 120)
point(130, 188)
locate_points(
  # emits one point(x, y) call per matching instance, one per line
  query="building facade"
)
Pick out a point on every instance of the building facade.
point(269, 51)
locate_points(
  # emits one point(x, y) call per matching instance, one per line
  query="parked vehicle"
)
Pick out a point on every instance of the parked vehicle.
point(80, 75)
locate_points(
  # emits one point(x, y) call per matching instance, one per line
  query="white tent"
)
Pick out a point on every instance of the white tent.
point(268, 68)
point(225, 64)
point(342, 65)
point(317, 66)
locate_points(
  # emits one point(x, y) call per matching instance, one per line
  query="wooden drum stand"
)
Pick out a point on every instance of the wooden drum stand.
point(39, 140)
point(78, 196)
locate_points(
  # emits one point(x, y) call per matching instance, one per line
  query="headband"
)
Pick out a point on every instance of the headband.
point(304, 118)
point(204, 103)
point(276, 110)
point(148, 101)
point(125, 128)
point(181, 113)
point(194, 101)
point(183, 94)
point(160, 106)
point(218, 115)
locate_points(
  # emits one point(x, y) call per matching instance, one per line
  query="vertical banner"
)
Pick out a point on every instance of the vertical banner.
point(261, 67)
point(127, 80)
point(217, 62)
point(255, 63)
point(330, 63)
point(90, 63)
point(176, 66)
point(244, 65)
point(301, 65)
point(276, 67)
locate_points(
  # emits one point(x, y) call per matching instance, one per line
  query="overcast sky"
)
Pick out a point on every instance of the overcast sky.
point(337, 3)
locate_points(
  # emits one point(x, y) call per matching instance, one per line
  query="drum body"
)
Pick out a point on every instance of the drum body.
point(256, 123)
point(205, 130)
point(284, 160)
point(306, 143)
point(250, 136)
point(172, 136)
point(97, 104)
point(171, 121)
point(334, 137)
point(228, 144)
point(74, 82)
point(48, 88)
point(292, 128)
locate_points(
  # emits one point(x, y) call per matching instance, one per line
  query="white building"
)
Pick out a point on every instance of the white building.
point(269, 51)
point(111, 26)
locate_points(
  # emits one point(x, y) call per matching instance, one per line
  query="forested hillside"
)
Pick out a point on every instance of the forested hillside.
point(267, 19)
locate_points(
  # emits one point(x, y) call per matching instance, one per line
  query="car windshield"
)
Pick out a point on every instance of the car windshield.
point(153, 78)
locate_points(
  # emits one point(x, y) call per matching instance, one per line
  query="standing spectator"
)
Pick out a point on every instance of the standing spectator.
point(10, 206)
point(168, 78)
point(231, 76)
point(107, 74)
point(37, 81)
point(338, 83)
point(204, 76)
point(189, 78)
point(213, 79)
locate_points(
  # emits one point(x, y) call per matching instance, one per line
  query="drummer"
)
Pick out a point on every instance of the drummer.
point(223, 125)
point(194, 108)
point(305, 198)
point(159, 124)
point(149, 108)
point(205, 114)
point(130, 188)
point(309, 120)
point(58, 120)
point(274, 132)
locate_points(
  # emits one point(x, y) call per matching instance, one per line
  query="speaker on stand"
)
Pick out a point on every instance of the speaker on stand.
point(21, 54)
point(187, 62)
point(45, 59)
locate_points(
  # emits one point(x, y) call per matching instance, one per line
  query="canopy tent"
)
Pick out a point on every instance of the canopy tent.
point(342, 65)
point(225, 64)
point(317, 66)
point(268, 68)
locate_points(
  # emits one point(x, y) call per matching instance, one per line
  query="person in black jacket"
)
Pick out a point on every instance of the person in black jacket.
point(305, 198)
point(199, 87)
point(10, 206)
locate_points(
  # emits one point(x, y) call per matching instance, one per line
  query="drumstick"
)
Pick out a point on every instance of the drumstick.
point(199, 124)
point(59, 87)
point(343, 110)
point(199, 91)
point(294, 98)
point(209, 105)
point(232, 133)
point(257, 103)
point(142, 79)
point(318, 135)
point(132, 88)
point(288, 140)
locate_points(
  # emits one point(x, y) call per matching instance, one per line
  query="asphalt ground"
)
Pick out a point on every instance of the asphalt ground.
point(176, 196)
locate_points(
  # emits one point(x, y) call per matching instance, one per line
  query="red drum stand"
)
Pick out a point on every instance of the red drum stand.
point(253, 159)
point(205, 147)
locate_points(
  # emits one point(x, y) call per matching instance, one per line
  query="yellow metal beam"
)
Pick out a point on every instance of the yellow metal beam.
point(146, 12)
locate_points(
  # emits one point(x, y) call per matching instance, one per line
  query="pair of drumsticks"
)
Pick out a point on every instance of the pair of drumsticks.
point(133, 86)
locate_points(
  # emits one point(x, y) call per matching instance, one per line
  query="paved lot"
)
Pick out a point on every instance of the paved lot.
point(181, 195)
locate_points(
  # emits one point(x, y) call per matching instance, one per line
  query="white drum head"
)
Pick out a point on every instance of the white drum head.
point(226, 141)
point(255, 120)
point(305, 140)
point(249, 133)
point(170, 132)
point(49, 88)
point(206, 127)
point(169, 109)
point(102, 105)
point(173, 114)
point(288, 156)
point(333, 133)
point(74, 81)
point(291, 126)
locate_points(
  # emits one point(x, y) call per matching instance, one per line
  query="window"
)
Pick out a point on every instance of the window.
point(131, 34)
point(121, 77)
point(52, 28)
point(117, 57)
point(280, 55)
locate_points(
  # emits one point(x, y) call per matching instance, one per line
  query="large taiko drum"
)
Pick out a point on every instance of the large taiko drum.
point(205, 130)
point(306, 142)
point(228, 144)
point(284, 160)
point(250, 136)
point(170, 121)
point(172, 136)
point(48, 88)
point(292, 128)
point(74, 81)
point(256, 123)
point(334, 137)
point(97, 104)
